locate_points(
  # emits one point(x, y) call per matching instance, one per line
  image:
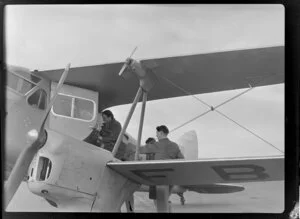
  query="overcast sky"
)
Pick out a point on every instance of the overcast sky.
point(48, 37)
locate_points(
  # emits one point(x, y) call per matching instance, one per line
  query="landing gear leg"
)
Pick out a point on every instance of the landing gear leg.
point(162, 197)
point(130, 204)
point(182, 199)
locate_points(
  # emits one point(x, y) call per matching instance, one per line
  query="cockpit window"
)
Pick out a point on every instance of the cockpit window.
point(38, 99)
point(12, 81)
point(19, 84)
point(26, 74)
point(74, 107)
point(30, 77)
point(35, 79)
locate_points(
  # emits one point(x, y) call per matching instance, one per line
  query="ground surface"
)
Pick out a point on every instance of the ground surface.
point(265, 197)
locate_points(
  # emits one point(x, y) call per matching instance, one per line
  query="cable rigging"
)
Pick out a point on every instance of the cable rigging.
point(211, 108)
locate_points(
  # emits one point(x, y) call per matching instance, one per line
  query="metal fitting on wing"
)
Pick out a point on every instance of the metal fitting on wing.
point(146, 77)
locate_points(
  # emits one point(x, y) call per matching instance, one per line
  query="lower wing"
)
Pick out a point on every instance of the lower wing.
point(215, 188)
point(203, 171)
point(208, 189)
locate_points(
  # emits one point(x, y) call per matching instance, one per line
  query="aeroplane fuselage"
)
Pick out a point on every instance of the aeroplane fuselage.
point(66, 170)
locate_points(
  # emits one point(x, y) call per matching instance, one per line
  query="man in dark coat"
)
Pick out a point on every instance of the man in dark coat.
point(110, 130)
point(107, 135)
point(164, 149)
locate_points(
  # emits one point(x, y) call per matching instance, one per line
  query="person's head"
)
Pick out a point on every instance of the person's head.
point(107, 116)
point(162, 132)
point(150, 141)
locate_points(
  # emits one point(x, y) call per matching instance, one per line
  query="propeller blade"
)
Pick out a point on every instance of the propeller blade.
point(20, 169)
point(38, 138)
point(127, 62)
point(58, 87)
point(133, 52)
point(123, 68)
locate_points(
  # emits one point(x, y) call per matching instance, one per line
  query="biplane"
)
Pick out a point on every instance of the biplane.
point(49, 113)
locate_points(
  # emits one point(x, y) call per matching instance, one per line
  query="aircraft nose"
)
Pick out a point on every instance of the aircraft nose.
point(39, 173)
point(20, 118)
point(44, 168)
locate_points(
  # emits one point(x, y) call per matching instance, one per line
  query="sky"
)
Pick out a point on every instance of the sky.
point(50, 36)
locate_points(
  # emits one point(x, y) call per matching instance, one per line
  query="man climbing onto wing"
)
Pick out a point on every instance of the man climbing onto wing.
point(164, 149)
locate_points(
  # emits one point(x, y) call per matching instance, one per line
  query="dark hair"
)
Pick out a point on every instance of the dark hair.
point(163, 129)
point(108, 113)
point(149, 140)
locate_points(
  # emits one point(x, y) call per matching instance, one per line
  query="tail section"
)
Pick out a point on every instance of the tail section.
point(188, 144)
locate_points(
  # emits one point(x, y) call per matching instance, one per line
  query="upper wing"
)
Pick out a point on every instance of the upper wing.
point(201, 73)
point(204, 171)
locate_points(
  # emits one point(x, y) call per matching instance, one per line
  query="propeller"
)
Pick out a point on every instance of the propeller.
point(37, 139)
point(127, 62)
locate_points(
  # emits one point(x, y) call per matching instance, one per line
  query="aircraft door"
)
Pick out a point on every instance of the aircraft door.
point(74, 111)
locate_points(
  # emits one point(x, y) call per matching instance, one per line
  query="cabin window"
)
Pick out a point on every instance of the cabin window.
point(63, 105)
point(18, 83)
point(38, 99)
point(74, 107)
point(83, 109)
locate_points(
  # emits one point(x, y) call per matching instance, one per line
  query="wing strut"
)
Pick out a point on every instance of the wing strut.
point(147, 80)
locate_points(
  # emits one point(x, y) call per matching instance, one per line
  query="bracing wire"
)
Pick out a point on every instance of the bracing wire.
point(191, 120)
point(243, 127)
point(214, 109)
point(183, 90)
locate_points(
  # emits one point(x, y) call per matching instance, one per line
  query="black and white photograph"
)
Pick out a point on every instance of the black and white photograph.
point(145, 108)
